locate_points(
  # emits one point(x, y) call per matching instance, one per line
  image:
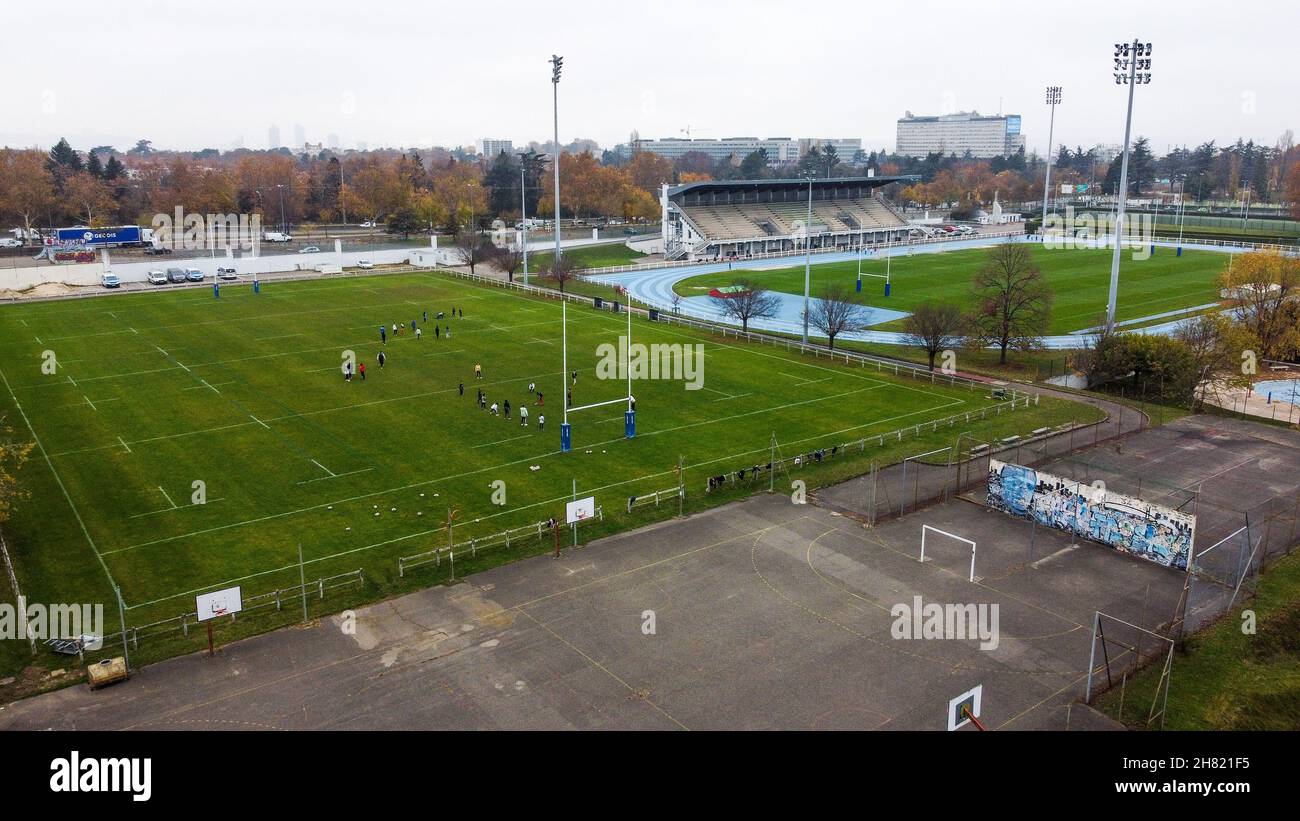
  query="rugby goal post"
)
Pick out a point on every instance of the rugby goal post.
point(927, 529)
point(629, 414)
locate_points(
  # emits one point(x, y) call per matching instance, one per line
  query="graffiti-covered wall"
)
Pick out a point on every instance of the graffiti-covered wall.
point(1156, 533)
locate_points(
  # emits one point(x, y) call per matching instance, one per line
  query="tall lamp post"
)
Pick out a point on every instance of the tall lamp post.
point(557, 63)
point(284, 226)
point(807, 259)
point(523, 201)
point(1053, 98)
point(1128, 58)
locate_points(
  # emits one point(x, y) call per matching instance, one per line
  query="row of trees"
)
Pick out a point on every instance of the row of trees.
point(1011, 308)
point(442, 190)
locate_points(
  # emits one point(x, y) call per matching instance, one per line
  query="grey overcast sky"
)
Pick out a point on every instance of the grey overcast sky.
point(403, 73)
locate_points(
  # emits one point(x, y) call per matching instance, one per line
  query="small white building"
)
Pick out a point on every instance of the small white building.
point(997, 216)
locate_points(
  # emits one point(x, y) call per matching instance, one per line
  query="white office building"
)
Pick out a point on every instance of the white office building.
point(966, 131)
point(491, 148)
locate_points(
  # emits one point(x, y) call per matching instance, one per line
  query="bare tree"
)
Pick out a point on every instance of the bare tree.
point(472, 249)
point(675, 302)
point(835, 312)
point(752, 302)
point(934, 326)
point(509, 260)
point(1013, 303)
point(561, 270)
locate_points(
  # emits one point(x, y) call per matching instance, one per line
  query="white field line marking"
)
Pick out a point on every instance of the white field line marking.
point(543, 341)
point(156, 438)
point(75, 512)
point(503, 441)
point(171, 509)
point(322, 467)
point(172, 358)
point(124, 444)
point(88, 402)
point(737, 396)
point(259, 421)
point(220, 428)
point(148, 371)
point(25, 325)
point(534, 458)
point(214, 386)
point(205, 382)
point(70, 379)
point(334, 476)
point(281, 336)
point(256, 317)
point(38, 340)
point(168, 498)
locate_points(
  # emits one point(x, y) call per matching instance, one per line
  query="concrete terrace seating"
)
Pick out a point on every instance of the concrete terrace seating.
point(750, 220)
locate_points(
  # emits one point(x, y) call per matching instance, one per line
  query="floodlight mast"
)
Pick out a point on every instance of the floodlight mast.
point(1053, 98)
point(1128, 56)
point(557, 63)
point(807, 259)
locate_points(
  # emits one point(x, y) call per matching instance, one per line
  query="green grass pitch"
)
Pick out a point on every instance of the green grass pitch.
point(159, 390)
point(1080, 281)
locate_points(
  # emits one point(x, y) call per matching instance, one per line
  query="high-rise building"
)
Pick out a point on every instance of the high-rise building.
point(960, 133)
point(273, 137)
point(491, 148)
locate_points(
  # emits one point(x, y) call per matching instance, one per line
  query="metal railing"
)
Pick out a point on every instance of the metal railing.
point(504, 538)
point(251, 604)
point(651, 266)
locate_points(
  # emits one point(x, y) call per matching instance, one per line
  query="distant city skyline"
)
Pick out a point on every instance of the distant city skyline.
point(1208, 81)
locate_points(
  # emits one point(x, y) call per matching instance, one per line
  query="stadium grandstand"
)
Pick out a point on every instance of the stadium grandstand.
point(739, 218)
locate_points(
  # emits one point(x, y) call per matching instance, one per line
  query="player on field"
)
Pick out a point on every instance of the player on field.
point(523, 416)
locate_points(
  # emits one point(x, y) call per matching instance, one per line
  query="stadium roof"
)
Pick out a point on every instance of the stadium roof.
point(731, 186)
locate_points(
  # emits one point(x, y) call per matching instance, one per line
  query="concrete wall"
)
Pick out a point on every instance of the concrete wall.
point(20, 279)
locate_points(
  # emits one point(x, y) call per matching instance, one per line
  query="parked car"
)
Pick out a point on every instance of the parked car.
point(310, 249)
point(157, 277)
point(175, 274)
point(365, 264)
point(367, 224)
point(10, 242)
point(193, 275)
point(227, 273)
point(111, 281)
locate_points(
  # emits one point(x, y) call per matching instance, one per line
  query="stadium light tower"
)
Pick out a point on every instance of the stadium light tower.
point(523, 204)
point(1053, 98)
point(557, 63)
point(807, 258)
point(1128, 57)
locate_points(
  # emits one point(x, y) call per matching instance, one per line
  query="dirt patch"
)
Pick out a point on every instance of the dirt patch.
point(45, 289)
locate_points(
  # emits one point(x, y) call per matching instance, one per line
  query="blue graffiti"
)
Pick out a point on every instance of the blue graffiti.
point(1150, 531)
